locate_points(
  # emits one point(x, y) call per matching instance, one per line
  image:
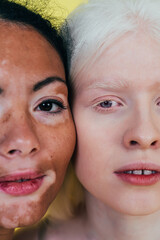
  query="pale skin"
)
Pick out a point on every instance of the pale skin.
point(128, 75)
point(34, 136)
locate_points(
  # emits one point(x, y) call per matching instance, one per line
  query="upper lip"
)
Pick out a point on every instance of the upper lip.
point(139, 166)
point(21, 175)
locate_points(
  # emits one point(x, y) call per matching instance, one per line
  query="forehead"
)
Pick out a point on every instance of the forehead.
point(131, 59)
point(25, 50)
point(21, 36)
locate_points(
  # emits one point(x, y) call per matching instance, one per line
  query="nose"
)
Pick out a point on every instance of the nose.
point(142, 134)
point(19, 140)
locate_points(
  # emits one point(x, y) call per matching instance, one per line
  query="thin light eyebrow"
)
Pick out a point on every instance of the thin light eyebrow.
point(47, 81)
point(109, 84)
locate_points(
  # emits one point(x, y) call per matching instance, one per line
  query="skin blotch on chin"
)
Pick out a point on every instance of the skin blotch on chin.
point(8, 218)
point(21, 214)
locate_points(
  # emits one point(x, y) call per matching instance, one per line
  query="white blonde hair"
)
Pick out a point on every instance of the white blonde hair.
point(89, 30)
point(97, 24)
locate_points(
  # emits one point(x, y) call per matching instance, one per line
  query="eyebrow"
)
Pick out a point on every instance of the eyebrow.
point(47, 81)
point(109, 84)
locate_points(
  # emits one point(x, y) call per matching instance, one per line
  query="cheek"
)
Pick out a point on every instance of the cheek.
point(58, 149)
point(94, 141)
point(95, 152)
point(58, 142)
point(98, 138)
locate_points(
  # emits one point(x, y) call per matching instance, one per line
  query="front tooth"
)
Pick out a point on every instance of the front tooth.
point(128, 172)
point(147, 172)
point(137, 172)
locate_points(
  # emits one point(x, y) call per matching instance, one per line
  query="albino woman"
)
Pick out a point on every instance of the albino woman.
point(115, 76)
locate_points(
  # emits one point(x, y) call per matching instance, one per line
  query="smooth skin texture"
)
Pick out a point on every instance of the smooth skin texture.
point(123, 82)
point(36, 127)
point(130, 79)
point(127, 75)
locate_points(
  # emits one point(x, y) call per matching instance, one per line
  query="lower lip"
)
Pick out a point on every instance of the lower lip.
point(21, 188)
point(140, 180)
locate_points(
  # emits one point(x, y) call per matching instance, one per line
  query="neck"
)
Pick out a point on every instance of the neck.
point(105, 223)
point(6, 234)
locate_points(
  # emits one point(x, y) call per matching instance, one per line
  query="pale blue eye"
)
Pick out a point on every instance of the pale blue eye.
point(106, 104)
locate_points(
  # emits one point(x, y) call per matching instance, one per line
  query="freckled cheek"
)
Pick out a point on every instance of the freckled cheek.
point(60, 141)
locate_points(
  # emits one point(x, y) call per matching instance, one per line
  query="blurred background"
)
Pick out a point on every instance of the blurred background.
point(52, 8)
point(68, 5)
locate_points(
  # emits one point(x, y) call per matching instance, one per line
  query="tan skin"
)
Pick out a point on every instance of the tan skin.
point(32, 137)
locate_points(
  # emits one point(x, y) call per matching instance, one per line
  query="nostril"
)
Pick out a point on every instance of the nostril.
point(133, 143)
point(153, 143)
point(16, 151)
point(13, 151)
point(33, 150)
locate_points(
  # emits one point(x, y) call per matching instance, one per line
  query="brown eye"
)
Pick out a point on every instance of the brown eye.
point(46, 106)
point(50, 105)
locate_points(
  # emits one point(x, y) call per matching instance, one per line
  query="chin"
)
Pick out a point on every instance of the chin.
point(22, 212)
point(136, 211)
point(12, 222)
point(138, 207)
point(16, 219)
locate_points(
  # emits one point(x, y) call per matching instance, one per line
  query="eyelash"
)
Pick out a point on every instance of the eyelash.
point(103, 109)
point(60, 106)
